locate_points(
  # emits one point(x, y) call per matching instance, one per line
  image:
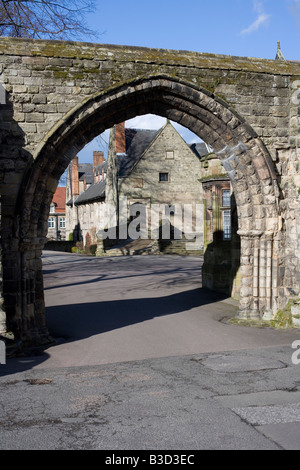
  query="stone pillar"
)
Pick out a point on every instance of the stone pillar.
point(272, 243)
point(256, 274)
point(249, 292)
point(31, 295)
point(275, 272)
point(2, 312)
point(268, 241)
point(259, 268)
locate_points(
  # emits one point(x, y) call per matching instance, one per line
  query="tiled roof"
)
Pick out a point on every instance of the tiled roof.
point(85, 171)
point(59, 199)
point(101, 167)
point(137, 141)
point(94, 192)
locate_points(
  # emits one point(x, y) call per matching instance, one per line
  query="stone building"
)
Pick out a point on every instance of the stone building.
point(83, 181)
point(150, 170)
point(57, 215)
point(163, 173)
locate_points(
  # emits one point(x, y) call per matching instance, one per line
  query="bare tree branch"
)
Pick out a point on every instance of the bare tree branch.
point(45, 19)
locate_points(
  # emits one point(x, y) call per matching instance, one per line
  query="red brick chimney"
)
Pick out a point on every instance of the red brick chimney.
point(75, 179)
point(98, 158)
point(120, 138)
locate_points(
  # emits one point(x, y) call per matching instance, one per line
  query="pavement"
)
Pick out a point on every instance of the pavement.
point(145, 359)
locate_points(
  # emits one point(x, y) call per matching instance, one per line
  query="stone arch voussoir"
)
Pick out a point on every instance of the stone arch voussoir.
point(243, 155)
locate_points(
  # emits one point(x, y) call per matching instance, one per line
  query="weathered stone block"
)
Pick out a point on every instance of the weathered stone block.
point(35, 117)
point(39, 99)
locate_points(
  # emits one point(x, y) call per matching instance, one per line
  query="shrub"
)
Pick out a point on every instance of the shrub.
point(93, 249)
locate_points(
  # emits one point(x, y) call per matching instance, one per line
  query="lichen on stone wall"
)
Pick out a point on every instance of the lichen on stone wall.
point(283, 318)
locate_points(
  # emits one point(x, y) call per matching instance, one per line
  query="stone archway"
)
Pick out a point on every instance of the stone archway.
point(244, 157)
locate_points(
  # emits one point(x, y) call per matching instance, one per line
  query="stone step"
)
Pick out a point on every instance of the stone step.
point(144, 247)
point(130, 248)
point(181, 247)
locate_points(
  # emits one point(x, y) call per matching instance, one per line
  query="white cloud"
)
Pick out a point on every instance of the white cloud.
point(262, 18)
point(151, 121)
point(147, 121)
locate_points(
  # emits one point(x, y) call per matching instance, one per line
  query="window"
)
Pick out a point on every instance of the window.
point(51, 222)
point(52, 209)
point(226, 225)
point(163, 177)
point(62, 222)
point(226, 198)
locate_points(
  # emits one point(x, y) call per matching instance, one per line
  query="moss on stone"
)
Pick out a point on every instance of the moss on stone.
point(220, 176)
point(60, 74)
point(250, 323)
point(156, 57)
point(283, 317)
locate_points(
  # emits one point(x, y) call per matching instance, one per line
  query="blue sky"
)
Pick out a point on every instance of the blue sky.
point(232, 27)
point(235, 27)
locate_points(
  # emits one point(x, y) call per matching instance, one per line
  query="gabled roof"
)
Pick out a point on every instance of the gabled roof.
point(137, 141)
point(59, 199)
point(93, 193)
point(85, 171)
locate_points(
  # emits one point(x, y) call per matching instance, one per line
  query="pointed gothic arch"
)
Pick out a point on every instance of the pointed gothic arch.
point(243, 155)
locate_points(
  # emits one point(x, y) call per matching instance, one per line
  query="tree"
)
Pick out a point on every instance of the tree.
point(44, 19)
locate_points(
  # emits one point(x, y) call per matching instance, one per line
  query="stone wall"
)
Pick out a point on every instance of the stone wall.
point(60, 95)
point(2, 312)
point(167, 154)
point(60, 245)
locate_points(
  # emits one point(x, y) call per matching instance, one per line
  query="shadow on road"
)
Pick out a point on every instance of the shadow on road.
point(79, 321)
point(73, 322)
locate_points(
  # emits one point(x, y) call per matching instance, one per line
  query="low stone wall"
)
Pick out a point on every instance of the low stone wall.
point(60, 245)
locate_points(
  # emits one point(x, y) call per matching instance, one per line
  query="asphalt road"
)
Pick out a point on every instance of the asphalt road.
point(145, 359)
point(131, 308)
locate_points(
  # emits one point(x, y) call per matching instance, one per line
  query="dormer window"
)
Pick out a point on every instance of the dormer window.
point(52, 209)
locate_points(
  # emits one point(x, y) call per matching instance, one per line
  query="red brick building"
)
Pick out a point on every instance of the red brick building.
point(57, 215)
